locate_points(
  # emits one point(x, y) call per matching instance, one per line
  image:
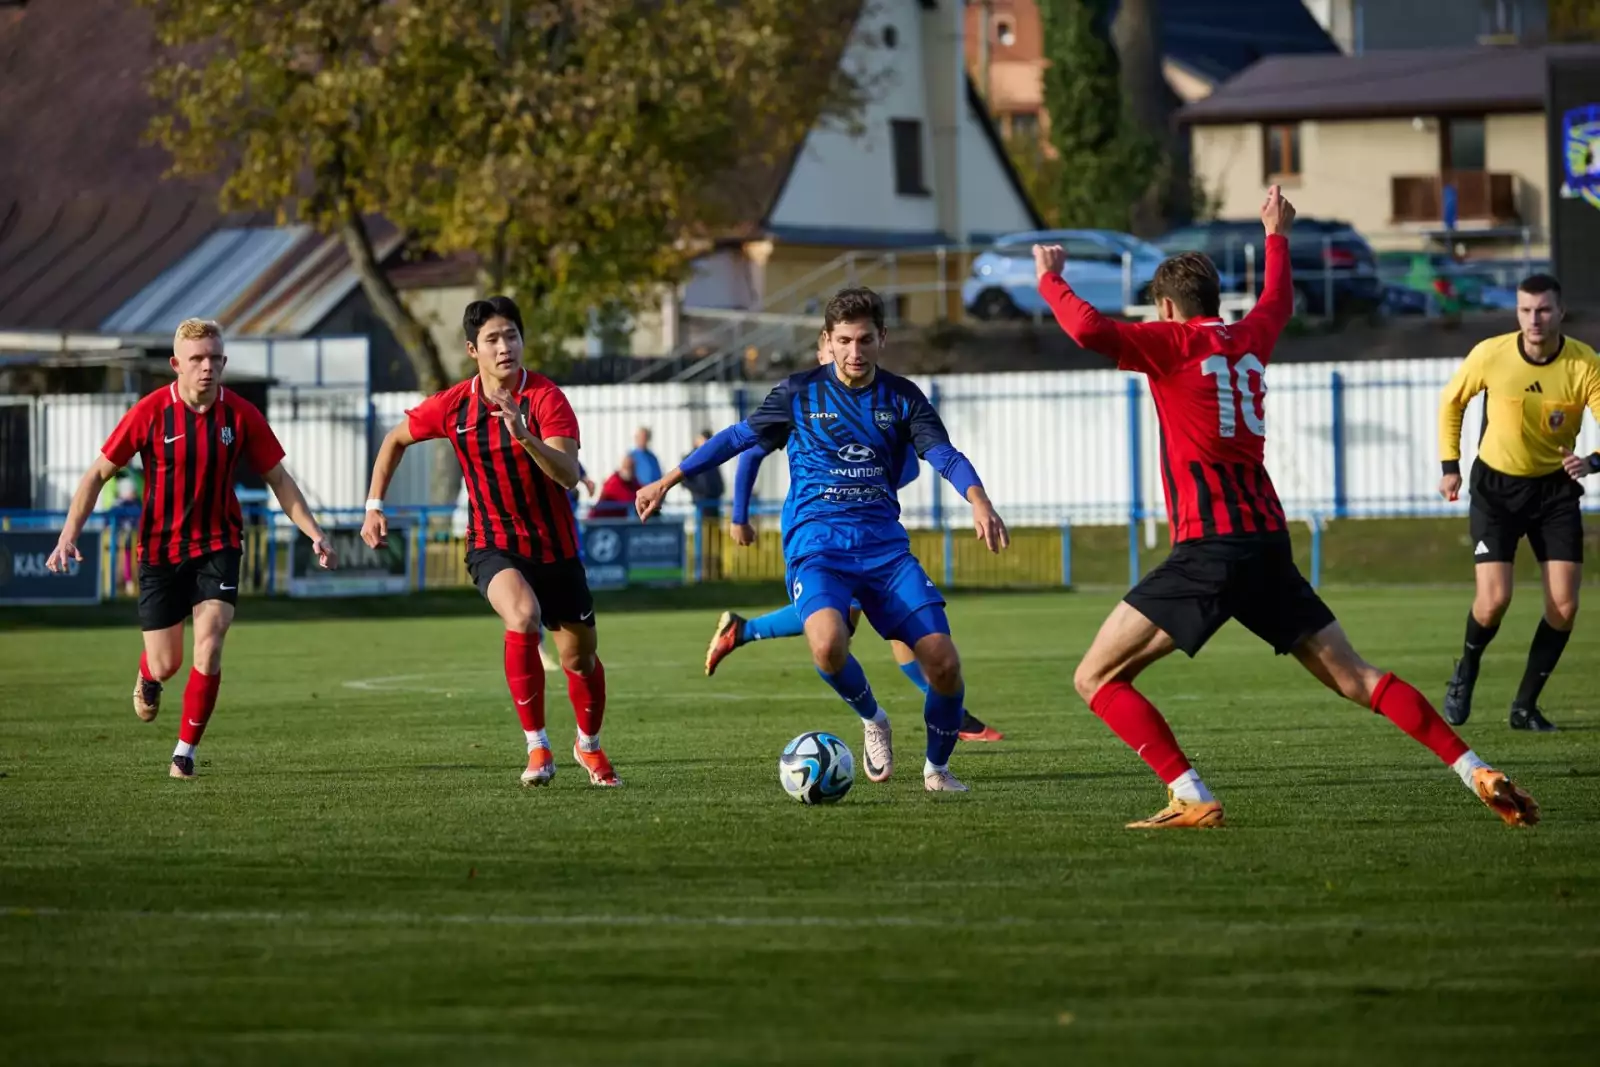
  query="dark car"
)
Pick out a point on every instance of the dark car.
point(1326, 255)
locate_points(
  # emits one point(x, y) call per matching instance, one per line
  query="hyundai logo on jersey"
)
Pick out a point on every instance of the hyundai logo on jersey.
point(854, 453)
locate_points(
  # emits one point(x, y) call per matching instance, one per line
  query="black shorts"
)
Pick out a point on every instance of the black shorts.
point(168, 592)
point(1205, 583)
point(1506, 508)
point(562, 587)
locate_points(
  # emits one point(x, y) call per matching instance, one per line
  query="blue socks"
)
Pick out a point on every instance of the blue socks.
point(851, 684)
point(913, 671)
point(785, 622)
point(943, 717)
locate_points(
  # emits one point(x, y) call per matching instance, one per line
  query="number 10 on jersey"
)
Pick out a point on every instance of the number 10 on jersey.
point(1235, 396)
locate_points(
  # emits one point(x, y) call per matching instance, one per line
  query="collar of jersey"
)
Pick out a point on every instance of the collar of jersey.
point(1523, 352)
point(477, 380)
point(1205, 320)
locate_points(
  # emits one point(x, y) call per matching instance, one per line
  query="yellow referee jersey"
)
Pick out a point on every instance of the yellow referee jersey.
point(1533, 410)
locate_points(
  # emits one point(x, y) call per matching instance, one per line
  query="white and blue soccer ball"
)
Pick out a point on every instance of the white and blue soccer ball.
point(817, 768)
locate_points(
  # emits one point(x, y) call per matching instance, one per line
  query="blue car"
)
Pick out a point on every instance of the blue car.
point(1002, 284)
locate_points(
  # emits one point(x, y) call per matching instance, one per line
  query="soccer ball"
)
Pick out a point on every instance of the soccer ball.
point(817, 768)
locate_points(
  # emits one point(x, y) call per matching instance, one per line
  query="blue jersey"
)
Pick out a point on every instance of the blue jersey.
point(847, 453)
point(744, 479)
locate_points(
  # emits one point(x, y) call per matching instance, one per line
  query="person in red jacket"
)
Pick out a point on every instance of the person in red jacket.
point(616, 495)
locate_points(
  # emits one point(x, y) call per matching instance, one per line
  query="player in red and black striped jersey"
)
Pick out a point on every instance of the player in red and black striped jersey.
point(516, 438)
point(191, 436)
point(1231, 556)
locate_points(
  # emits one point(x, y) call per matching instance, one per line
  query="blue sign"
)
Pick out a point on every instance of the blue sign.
point(625, 552)
point(1581, 154)
point(24, 579)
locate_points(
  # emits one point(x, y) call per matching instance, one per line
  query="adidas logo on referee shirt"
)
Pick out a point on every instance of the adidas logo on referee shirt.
point(1534, 388)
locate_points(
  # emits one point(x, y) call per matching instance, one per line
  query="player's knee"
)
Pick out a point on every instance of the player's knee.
point(941, 665)
point(1088, 679)
point(577, 660)
point(522, 619)
point(1490, 605)
point(830, 652)
point(1561, 611)
point(164, 664)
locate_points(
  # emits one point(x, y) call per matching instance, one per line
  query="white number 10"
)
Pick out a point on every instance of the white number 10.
point(1234, 393)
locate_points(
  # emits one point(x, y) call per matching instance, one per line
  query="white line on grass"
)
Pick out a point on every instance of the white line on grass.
point(397, 918)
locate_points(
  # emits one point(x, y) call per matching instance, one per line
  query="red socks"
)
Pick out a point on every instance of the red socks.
point(1141, 727)
point(525, 677)
point(588, 696)
point(199, 700)
point(1408, 709)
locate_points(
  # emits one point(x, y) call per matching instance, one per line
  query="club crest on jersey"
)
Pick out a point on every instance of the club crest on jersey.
point(1556, 419)
point(883, 417)
point(227, 435)
point(854, 453)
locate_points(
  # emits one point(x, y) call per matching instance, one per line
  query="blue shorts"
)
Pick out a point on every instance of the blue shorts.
point(889, 586)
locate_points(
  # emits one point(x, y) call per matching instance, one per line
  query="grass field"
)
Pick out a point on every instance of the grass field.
point(358, 878)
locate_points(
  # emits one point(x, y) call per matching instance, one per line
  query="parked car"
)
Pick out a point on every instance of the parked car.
point(1002, 283)
point(1416, 282)
point(1320, 250)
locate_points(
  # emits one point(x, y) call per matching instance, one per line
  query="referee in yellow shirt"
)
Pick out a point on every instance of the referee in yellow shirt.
point(1524, 484)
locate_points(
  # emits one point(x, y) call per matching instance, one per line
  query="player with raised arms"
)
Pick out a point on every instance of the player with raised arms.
point(516, 438)
point(734, 631)
point(190, 436)
point(846, 425)
point(1525, 483)
point(1231, 556)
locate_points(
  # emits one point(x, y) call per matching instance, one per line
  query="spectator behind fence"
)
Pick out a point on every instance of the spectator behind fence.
point(646, 467)
point(705, 487)
point(616, 495)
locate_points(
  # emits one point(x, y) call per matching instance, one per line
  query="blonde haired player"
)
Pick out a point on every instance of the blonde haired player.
point(192, 435)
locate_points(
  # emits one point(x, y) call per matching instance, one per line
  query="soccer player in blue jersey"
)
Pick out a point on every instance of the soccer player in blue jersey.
point(846, 426)
point(735, 631)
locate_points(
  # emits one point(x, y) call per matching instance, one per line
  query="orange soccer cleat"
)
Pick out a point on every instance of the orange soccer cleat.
point(724, 640)
point(541, 767)
point(1504, 797)
point(975, 729)
point(146, 698)
point(599, 768)
point(1180, 814)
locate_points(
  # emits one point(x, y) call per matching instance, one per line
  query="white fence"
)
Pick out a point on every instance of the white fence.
point(1344, 439)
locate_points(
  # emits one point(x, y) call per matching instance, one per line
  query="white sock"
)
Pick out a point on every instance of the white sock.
point(186, 749)
point(1465, 765)
point(536, 739)
point(881, 718)
point(588, 742)
point(931, 769)
point(1188, 786)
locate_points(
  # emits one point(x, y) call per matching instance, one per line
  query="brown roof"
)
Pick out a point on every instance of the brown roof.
point(1397, 83)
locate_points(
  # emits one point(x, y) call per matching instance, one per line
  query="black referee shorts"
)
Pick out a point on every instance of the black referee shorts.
point(1506, 508)
point(562, 587)
point(1251, 578)
point(168, 592)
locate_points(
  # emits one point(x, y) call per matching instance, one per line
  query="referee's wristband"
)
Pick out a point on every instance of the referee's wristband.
point(1593, 459)
point(375, 504)
point(1452, 466)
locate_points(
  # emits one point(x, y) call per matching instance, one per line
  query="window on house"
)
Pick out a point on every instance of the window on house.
point(891, 37)
point(1283, 150)
point(1462, 145)
point(1005, 32)
point(908, 174)
point(1023, 125)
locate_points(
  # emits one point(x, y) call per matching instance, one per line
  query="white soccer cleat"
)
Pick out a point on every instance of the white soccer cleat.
point(878, 740)
point(943, 782)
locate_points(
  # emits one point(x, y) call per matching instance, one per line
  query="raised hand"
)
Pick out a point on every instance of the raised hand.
point(1277, 214)
point(1048, 259)
point(507, 411)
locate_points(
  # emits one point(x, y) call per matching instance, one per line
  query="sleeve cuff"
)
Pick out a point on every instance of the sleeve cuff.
point(1452, 466)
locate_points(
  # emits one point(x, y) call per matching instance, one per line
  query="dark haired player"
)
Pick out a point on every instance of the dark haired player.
point(516, 438)
point(846, 426)
point(190, 436)
point(1231, 556)
point(1525, 483)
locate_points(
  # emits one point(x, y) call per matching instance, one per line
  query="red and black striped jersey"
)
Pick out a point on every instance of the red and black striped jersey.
point(189, 459)
point(512, 505)
point(1208, 380)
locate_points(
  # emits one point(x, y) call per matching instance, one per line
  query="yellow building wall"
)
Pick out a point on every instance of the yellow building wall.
point(1517, 144)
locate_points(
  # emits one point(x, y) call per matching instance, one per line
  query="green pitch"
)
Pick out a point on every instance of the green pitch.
point(357, 876)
